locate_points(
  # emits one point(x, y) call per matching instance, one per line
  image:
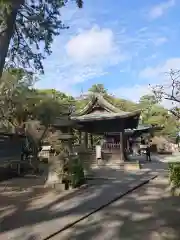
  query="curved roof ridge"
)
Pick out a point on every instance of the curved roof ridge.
point(98, 98)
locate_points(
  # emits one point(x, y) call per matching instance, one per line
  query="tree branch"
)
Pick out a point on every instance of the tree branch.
point(176, 114)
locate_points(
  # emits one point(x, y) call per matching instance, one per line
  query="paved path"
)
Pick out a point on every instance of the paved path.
point(147, 213)
point(172, 158)
point(29, 213)
point(36, 213)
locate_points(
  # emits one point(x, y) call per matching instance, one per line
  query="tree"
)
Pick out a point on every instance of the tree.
point(29, 25)
point(155, 114)
point(146, 103)
point(98, 88)
point(147, 99)
point(170, 92)
point(50, 108)
point(32, 112)
point(14, 90)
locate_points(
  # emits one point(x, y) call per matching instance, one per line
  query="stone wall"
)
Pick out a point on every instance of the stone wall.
point(88, 158)
point(10, 147)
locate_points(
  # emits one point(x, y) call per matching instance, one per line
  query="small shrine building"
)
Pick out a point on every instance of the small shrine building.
point(99, 117)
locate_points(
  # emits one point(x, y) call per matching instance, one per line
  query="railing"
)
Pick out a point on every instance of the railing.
point(111, 146)
point(44, 154)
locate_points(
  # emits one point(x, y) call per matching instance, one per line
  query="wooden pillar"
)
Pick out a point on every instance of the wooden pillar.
point(127, 143)
point(122, 159)
point(80, 137)
point(86, 140)
point(70, 145)
point(91, 140)
point(123, 156)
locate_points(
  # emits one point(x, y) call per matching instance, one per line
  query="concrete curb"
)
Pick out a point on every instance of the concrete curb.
point(143, 182)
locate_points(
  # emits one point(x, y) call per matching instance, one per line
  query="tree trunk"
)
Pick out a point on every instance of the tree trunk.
point(6, 32)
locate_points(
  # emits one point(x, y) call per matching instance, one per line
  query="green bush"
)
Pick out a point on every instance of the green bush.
point(174, 174)
point(77, 173)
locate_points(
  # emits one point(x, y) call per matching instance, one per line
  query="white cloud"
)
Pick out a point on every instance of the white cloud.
point(85, 56)
point(93, 46)
point(159, 41)
point(159, 9)
point(66, 74)
point(154, 75)
point(138, 91)
point(132, 93)
point(160, 72)
point(86, 51)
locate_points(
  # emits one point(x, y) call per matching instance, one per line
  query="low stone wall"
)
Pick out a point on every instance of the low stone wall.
point(89, 160)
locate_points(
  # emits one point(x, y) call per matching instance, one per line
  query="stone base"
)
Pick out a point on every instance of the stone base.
point(101, 162)
point(59, 187)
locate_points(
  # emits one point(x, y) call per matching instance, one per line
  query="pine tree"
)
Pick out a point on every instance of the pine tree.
point(26, 26)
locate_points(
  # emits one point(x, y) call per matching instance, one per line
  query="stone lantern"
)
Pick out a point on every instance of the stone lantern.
point(63, 126)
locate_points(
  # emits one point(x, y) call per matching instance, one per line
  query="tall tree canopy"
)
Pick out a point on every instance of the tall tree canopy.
point(25, 27)
point(98, 88)
point(20, 103)
point(155, 114)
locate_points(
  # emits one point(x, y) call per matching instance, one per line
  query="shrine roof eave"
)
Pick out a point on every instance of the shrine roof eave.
point(139, 130)
point(106, 116)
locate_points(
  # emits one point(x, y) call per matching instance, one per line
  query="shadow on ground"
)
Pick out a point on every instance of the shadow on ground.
point(32, 209)
point(148, 213)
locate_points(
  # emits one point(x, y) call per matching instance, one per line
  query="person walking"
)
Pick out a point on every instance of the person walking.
point(148, 152)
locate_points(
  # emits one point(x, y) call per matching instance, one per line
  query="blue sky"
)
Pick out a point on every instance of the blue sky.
point(126, 46)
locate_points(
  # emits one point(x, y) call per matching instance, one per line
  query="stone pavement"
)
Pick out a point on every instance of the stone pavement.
point(31, 214)
point(149, 212)
point(172, 158)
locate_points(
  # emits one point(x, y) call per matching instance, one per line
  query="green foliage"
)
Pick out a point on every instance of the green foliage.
point(31, 26)
point(48, 109)
point(155, 114)
point(15, 92)
point(147, 100)
point(21, 103)
point(98, 88)
point(152, 112)
point(77, 173)
point(174, 174)
point(122, 104)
